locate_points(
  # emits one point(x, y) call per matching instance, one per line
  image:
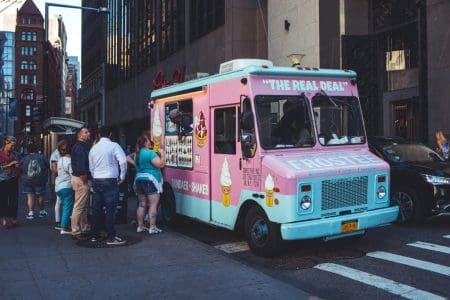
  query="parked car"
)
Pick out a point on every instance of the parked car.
point(420, 178)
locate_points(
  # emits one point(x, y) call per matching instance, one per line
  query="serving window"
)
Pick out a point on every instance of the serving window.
point(178, 138)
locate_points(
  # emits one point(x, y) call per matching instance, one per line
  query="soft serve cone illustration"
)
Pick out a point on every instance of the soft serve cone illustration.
point(269, 185)
point(225, 183)
point(156, 129)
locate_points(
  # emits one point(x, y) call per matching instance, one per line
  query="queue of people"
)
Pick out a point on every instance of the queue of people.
point(83, 173)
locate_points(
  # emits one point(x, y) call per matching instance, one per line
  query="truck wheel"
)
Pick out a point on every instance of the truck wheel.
point(408, 204)
point(167, 205)
point(262, 236)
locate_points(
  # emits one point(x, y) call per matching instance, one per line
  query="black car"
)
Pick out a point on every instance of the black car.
point(420, 178)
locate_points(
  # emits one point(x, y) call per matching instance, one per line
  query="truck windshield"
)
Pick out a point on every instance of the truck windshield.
point(283, 122)
point(338, 120)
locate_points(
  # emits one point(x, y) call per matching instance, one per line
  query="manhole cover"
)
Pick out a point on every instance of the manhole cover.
point(340, 253)
point(290, 263)
point(101, 243)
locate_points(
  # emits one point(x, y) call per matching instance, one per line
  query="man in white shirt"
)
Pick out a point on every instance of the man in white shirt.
point(105, 159)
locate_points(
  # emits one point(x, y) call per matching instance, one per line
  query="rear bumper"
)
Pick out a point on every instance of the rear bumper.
point(331, 227)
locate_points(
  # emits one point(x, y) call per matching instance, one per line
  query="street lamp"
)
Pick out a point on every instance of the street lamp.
point(103, 10)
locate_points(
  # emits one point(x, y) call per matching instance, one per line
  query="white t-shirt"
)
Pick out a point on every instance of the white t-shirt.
point(64, 177)
point(55, 156)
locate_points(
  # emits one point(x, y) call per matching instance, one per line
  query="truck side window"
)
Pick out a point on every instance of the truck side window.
point(225, 130)
point(179, 134)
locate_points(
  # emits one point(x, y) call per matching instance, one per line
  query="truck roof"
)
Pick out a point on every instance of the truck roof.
point(197, 84)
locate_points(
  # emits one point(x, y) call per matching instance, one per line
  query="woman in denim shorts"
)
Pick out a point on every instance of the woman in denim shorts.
point(148, 182)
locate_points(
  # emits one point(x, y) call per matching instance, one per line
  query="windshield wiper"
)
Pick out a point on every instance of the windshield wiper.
point(331, 99)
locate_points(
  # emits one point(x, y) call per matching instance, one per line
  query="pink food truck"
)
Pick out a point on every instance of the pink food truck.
point(277, 152)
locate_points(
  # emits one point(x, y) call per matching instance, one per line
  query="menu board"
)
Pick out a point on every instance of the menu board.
point(178, 151)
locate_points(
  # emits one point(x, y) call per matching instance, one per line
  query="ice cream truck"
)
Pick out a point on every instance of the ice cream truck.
point(277, 152)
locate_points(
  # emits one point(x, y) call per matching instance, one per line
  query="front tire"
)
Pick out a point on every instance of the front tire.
point(409, 206)
point(263, 236)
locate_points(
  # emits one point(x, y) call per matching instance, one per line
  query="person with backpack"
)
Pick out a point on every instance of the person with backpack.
point(34, 179)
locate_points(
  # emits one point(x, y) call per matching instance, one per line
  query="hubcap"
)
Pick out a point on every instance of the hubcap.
point(260, 232)
point(405, 204)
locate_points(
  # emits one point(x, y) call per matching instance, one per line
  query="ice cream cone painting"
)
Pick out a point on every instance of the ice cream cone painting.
point(156, 129)
point(200, 130)
point(225, 183)
point(269, 185)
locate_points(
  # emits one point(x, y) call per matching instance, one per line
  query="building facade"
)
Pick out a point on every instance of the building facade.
point(149, 44)
point(29, 69)
point(399, 49)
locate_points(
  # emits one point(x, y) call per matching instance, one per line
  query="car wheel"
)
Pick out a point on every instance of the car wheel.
point(263, 236)
point(409, 206)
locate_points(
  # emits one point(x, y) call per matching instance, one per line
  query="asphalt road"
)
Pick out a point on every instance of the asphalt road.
point(390, 262)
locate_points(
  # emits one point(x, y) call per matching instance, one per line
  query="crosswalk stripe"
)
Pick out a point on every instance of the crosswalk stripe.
point(385, 284)
point(233, 247)
point(447, 236)
point(430, 246)
point(412, 262)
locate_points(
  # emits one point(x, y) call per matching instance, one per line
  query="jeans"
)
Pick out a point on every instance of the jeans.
point(66, 198)
point(106, 193)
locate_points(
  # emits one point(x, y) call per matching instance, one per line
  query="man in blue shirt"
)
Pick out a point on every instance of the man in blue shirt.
point(183, 120)
point(80, 176)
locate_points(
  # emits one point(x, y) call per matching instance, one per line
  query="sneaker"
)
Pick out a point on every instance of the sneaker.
point(30, 215)
point(139, 230)
point(58, 226)
point(94, 239)
point(154, 230)
point(77, 232)
point(43, 213)
point(116, 241)
point(65, 231)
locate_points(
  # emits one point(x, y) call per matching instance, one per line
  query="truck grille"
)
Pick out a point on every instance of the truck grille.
point(344, 192)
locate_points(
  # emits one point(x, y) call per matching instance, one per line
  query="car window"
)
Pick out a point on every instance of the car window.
point(410, 153)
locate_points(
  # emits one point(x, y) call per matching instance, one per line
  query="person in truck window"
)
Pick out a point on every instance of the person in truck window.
point(183, 120)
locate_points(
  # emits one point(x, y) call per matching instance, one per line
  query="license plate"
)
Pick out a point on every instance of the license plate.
point(349, 226)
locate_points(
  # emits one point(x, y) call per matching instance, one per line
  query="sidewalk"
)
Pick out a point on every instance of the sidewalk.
point(36, 262)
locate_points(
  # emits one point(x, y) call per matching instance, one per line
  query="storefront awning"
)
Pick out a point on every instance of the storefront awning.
point(62, 125)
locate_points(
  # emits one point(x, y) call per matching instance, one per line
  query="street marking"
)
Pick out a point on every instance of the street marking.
point(412, 262)
point(233, 247)
point(447, 236)
point(432, 247)
point(385, 284)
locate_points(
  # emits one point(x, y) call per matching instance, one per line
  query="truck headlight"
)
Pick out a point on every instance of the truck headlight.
point(381, 192)
point(436, 180)
point(305, 202)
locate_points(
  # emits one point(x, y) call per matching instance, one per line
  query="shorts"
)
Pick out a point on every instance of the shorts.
point(145, 187)
point(37, 190)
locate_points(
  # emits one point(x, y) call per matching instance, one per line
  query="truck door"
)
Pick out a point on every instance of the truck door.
point(226, 176)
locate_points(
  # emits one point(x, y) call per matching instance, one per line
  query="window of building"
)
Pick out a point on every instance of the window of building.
point(24, 65)
point(206, 16)
point(33, 36)
point(27, 95)
point(23, 79)
point(225, 130)
point(28, 127)
point(32, 65)
point(33, 79)
point(27, 111)
point(172, 26)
